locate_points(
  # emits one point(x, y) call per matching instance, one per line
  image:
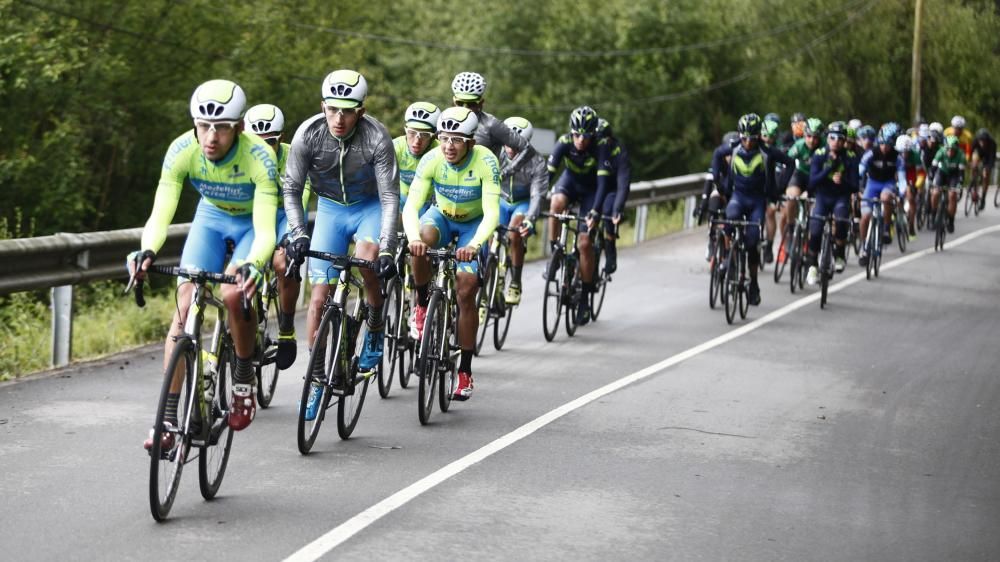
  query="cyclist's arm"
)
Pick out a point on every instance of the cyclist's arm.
point(718, 165)
point(623, 182)
point(168, 191)
point(420, 189)
point(387, 178)
point(294, 181)
point(603, 174)
point(490, 176)
point(264, 174)
point(818, 173)
point(901, 172)
point(539, 185)
point(500, 131)
point(555, 159)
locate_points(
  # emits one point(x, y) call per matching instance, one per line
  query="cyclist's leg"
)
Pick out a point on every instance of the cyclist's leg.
point(288, 294)
point(610, 233)
point(329, 235)
point(872, 190)
point(564, 194)
point(954, 185)
point(824, 205)
point(586, 245)
point(513, 217)
point(911, 214)
point(466, 288)
point(888, 197)
point(842, 212)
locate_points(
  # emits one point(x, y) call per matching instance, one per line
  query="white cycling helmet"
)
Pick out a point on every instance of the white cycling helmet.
point(854, 124)
point(904, 143)
point(422, 115)
point(468, 86)
point(521, 126)
point(937, 127)
point(264, 119)
point(458, 120)
point(958, 122)
point(344, 89)
point(218, 100)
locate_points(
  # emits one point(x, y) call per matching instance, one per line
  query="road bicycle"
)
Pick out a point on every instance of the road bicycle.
point(400, 347)
point(437, 358)
point(332, 371)
point(563, 287)
point(825, 261)
point(736, 283)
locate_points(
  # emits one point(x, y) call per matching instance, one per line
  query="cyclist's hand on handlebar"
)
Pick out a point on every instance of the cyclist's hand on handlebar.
point(296, 250)
point(386, 266)
point(143, 259)
point(248, 277)
point(526, 228)
point(837, 176)
point(592, 219)
point(466, 253)
point(616, 219)
point(418, 248)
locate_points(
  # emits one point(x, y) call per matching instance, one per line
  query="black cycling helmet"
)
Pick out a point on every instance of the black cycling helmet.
point(837, 128)
point(749, 125)
point(798, 116)
point(583, 121)
point(730, 138)
point(603, 128)
point(983, 134)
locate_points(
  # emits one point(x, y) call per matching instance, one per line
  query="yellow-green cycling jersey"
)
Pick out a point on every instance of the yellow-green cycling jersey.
point(244, 182)
point(463, 192)
point(283, 149)
point(407, 163)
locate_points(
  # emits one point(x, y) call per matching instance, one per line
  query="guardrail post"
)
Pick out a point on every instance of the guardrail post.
point(689, 206)
point(641, 216)
point(62, 324)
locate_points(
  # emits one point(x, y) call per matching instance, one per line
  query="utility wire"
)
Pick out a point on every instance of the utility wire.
point(777, 30)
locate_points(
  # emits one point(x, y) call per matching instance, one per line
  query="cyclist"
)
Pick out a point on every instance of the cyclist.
point(798, 127)
point(524, 181)
point(963, 135)
point(469, 91)
point(801, 152)
point(885, 173)
point(905, 146)
point(711, 199)
point(833, 178)
point(465, 181)
point(950, 164)
point(619, 185)
point(419, 127)
point(236, 174)
point(984, 159)
point(584, 180)
point(748, 187)
point(267, 122)
point(769, 135)
point(348, 158)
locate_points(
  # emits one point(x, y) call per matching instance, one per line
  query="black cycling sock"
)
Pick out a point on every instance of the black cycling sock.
point(286, 322)
point(375, 323)
point(423, 294)
point(244, 371)
point(171, 413)
point(753, 259)
point(587, 288)
point(465, 361)
point(515, 271)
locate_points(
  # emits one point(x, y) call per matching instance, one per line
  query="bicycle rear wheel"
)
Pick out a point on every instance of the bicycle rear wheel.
point(324, 353)
point(502, 325)
point(266, 368)
point(730, 295)
point(487, 299)
point(781, 259)
point(715, 276)
point(968, 202)
point(352, 399)
point(394, 326)
point(552, 307)
point(170, 449)
point(429, 358)
point(214, 455)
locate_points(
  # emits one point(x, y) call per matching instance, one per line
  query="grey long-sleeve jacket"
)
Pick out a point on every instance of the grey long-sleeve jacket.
point(526, 175)
point(494, 135)
point(348, 172)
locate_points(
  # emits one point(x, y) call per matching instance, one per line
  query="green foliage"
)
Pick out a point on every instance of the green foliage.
point(95, 91)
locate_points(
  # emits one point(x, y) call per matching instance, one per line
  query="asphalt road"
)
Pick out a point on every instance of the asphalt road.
point(868, 431)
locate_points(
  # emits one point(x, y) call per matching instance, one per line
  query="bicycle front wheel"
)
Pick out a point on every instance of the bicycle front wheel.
point(730, 291)
point(428, 360)
point(574, 293)
point(825, 267)
point(552, 306)
point(795, 259)
point(601, 279)
point(394, 326)
point(968, 202)
point(743, 287)
point(266, 368)
point(322, 361)
point(502, 325)
point(351, 401)
point(214, 455)
point(171, 445)
point(486, 300)
point(782, 258)
point(714, 277)
point(902, 231)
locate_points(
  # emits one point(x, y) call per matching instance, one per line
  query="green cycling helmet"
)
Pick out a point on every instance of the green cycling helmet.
point(814, 126)
point(770, 128)
point(951, 141)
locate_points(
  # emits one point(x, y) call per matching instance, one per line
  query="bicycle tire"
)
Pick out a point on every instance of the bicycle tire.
point(502, 325)
point(877, 254)
point(968, 202)
point(796, 259)
point(714, 279)
point(975, 203)
point(939, 225)
point(448, 379)
point(552, 306)
point(996, 196)
point(902, 231)
point(409, 345)
point(729, 289)
point(779, 265)
point(214, 456)
point(601, 278)
point(352, 400)
point(392, 309)
point(854, 234)
point(427, 360)
point(324, 351)
point(266, 369)
point(824, 268)
point(171, 462)
point(744, 295)
point(486, 298)
point(574, 292)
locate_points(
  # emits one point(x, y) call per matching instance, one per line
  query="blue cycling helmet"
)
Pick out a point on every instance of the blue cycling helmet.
point(887, 134)
point(866, 132)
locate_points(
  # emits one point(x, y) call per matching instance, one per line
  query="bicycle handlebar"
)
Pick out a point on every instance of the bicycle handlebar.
point(342, 261)
point(196, 275)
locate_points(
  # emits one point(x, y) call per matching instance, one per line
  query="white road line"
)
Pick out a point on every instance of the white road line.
point(354, 525)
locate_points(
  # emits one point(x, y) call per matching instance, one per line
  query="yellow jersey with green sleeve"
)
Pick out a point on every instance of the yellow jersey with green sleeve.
point(407, 163)
point(283, 149)
point(463, 192)
point(242, 183)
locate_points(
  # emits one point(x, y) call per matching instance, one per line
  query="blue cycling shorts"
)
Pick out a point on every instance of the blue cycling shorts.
point(874, 189)
point(205, 247)
point(508, 210)
point(336, 227)
point(448, 230)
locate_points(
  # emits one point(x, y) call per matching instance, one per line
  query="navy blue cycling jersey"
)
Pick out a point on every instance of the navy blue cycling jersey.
point(882, 166)
point(621, 174)
point(720, 169)
point(749, 172)
point(825, 164)
point(588, 168)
